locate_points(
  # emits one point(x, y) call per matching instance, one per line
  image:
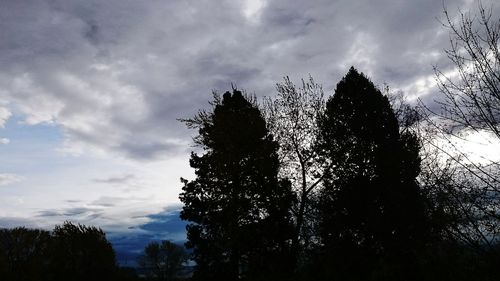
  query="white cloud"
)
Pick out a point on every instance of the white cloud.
point(5, 114)
point(6, 179)
point(252, 9)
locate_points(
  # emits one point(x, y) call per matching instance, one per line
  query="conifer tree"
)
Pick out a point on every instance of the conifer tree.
point(237, 207)
point(372, 210)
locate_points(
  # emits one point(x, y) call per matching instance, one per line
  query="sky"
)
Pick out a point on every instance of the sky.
point(90, 91)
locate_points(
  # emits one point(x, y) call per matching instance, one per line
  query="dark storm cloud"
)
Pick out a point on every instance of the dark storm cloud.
point(115, 75)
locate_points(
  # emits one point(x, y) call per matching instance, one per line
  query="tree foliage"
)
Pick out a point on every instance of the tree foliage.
point(292, 117)
point(237, 206)
point(82, 253)
point(469, 104)
point(69, 252)
point(372, 208)
point(471, 93)
point(23, 254)
point(163, 261)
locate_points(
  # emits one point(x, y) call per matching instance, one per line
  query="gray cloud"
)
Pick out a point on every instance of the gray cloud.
point(151, 150)
point(88, 213)
point(11, 222)
point(80, 211)
point(49, 213)
point(101, 211)
point(107, 201)
point(123, 179)
point(115, 75)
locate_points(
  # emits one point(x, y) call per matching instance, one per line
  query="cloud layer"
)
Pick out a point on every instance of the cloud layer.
point(115, 75)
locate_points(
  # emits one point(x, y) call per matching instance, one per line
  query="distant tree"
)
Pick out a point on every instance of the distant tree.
point(126, 274)
point(69, 252)
point(24, 254)
point(163, 261)
point(373, 215)
point(237, 206)
point(292, 117)
point(81, 252)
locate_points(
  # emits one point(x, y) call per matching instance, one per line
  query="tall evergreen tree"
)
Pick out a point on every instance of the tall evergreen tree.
point(372, 211)
point(237, 206)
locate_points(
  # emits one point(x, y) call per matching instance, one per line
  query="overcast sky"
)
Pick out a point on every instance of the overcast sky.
point(90, 90)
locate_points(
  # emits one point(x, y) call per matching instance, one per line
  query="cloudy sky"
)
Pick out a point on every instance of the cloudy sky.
point(90, 90)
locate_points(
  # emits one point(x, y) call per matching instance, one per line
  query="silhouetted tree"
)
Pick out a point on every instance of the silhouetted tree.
point(470, 104)
point(373, 215)
point(24, 254)
point(81, 252)
point(238, 209)
point(69, 252)
point(472, 91)
point(460, 253)
point(126, 274)
point(292, 117)
point(163, 261)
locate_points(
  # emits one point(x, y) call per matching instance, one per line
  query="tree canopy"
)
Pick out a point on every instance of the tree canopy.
point(371, 206)
point(237, 206)
point(163, 261)
point(69, 252)
point(292, 117)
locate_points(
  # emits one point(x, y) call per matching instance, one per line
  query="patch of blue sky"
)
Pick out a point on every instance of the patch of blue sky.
point(31, 148)
point(45, 177)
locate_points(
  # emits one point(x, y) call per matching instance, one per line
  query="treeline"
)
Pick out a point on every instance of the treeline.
point(303, 188)
point(68, 252)
point(164, 261)
point(78, 252)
